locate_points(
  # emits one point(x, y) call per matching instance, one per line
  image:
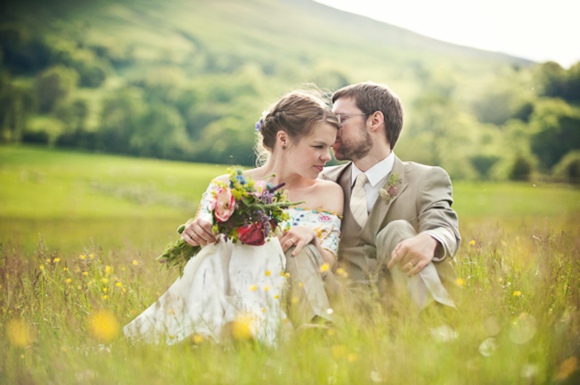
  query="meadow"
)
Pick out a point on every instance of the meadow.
point(79, 234)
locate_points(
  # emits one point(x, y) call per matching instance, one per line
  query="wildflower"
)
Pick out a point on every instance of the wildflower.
point(197, 339)
point(118, 284)
point(105, 280)
point(567, 368)
point(330, 332)
point(105, 297)
point(504, 243)
point(123, 268)
point(79, 287)
point(338, 351)
point(41, 267)
point(340, 271)
point(294, 299)
point(324, 267)
point(460, 282)
point(56, 260)
point(287, 275)
point(85, 273)
point(103, 325)
point(267, 273)
point(517, 293)
point(69, 280)
point(124, 290)
point(241, 327)
point(105, 289)
point(108, 270)
point(19, 333)
point(48, 260)
point(472, 242)
point(500, 279)
point(281, 274)
point(351, 357)
point(301, 284)
point(135, 262)
point(276, 296)
point(253, 288)
point(91, 256)
point(77, 270)
point(65, 268)
point(266, 288)
point(263, 310)
point(82, 256)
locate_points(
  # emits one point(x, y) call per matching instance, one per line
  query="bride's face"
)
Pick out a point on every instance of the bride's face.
point(308, 155)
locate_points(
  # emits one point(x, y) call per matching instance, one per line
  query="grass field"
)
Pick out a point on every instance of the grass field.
point(80, 232)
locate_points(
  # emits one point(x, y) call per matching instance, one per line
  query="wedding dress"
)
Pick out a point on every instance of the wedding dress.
point(227, 282)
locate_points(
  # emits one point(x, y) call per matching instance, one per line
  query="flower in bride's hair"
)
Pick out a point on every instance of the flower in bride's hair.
point(225, 204)
point(258, 125)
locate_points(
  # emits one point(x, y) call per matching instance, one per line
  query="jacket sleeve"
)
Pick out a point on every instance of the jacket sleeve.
point(435, 215)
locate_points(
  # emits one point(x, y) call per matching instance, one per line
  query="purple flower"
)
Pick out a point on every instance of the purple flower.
point(258, 125)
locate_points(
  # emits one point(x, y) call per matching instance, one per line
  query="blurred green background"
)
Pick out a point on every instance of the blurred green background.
point(187, 80)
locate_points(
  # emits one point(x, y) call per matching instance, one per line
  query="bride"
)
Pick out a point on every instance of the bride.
point(230, 283)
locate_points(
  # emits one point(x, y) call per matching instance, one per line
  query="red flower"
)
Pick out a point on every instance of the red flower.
point(251, 234)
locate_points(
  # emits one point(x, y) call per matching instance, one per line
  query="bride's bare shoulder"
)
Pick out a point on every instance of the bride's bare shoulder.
point(331, 194)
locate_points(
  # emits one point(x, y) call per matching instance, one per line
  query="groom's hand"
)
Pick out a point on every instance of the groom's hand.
point(413, 254)
point(198, 233)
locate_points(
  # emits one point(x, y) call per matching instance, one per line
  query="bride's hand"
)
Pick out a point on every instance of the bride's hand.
point(298, 236)
point(198, 233)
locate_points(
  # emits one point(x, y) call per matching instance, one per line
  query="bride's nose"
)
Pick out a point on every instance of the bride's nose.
point(326, 156)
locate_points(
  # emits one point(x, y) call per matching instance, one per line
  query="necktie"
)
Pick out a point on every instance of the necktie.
point(358, 200)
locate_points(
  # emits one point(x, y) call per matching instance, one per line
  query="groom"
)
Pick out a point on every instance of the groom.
point(398, 223)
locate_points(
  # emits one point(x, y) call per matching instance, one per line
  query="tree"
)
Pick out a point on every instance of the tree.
point(54, 85)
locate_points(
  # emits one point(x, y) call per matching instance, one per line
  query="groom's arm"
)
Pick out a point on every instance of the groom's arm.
point(438, 234)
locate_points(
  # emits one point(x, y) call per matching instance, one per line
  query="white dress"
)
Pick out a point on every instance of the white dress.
point(228, 282)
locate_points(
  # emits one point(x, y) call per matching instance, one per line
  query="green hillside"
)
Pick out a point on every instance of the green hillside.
point(187, 80)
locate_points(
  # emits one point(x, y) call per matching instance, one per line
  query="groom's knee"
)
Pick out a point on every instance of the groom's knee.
point(393, 233)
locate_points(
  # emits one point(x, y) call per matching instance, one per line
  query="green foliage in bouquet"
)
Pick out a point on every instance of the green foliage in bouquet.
point(241, 210)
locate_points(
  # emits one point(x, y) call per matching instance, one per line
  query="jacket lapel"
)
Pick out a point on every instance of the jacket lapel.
point(381, 207)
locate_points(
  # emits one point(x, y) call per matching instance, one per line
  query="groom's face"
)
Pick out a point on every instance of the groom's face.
point(353, 141)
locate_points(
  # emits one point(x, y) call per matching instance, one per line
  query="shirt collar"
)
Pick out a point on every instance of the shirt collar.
point(376, 173)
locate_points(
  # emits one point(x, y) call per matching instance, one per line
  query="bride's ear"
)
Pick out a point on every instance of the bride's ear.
point(282, 139)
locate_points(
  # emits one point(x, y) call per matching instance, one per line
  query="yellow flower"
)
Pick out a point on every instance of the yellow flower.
point(197, 339)
point(79, 287)
point(500, 279)
point(105, 289)
point(91, 256)
point(276, 296)
point(266, 288)
point(294, 299)
point(77, 270)
point(124, 290)
point(324, 267)
point(82, 256)
point(267, 273)
point(135, 262)
point(253, 288)
point(338, 351)
point(301, 284)
point(287, 275)
point(105, 280)
point(56, 260)
point(351, 357)
point(48, 260)
point(263, 310)
point(281, 274)
point(65, 269)
point(85, 273)
point(566, 368)
point(108, 270)
point(41, 267)
point(19, 333)
point(105, 296)
point(340, 271)
point(241, 329)
point(103, 325)
point(118, 284)
point(504, 243)
point(123, 268)
point(517, 293)
point(69, 280)
point(460, 282)
point(472, 242)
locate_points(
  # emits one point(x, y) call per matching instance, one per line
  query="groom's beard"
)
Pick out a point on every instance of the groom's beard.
point(353, 149)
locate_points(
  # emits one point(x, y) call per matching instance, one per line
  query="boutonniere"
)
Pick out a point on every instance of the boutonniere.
point(391, 188)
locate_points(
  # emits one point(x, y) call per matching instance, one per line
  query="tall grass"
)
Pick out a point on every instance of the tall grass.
point(61, 308)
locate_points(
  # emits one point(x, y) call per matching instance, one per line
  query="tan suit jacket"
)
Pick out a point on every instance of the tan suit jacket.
point(424, 199)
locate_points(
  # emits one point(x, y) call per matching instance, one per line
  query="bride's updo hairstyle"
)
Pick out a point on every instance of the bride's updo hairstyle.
point(296, 113)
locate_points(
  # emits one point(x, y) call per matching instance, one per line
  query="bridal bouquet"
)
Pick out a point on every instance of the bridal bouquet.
point(242, 210)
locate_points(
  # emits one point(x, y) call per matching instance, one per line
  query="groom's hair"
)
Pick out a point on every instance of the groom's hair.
point(371, 97)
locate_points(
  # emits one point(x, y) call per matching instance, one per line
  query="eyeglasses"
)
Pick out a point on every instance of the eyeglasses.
point(342, 117)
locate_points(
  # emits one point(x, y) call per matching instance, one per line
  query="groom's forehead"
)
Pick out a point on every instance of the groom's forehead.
point(343, 105)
